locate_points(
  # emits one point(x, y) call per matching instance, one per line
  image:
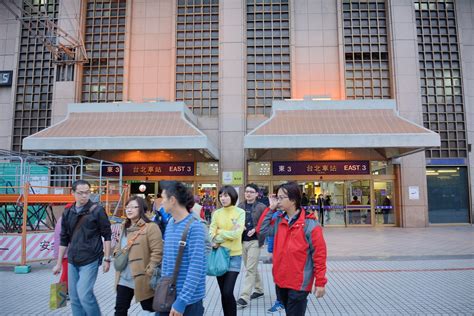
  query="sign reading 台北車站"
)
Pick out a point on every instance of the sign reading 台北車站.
point(151, 169)
point(281, 168)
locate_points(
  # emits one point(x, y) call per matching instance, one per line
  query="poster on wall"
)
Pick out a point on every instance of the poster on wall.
point(414, 193)
point(233, 177)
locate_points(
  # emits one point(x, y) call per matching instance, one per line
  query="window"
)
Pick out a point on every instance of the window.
point(268, 54)
point(440, 77)
point(197, 55)
point(34, 90)
point(105, 48)
point(365, 47)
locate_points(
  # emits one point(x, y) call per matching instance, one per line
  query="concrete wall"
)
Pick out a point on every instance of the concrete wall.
point(232, 105)
point(9, 38)
point(149, 70)
point(465, 17)
point(315, 49)
point(406, 83)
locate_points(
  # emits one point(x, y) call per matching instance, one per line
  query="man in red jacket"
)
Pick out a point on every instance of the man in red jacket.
point(299, 251)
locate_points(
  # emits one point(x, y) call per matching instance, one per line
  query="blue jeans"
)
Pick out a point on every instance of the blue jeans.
point(81, 289)
point(195, 309)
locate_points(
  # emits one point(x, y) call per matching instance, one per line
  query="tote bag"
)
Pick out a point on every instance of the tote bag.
point(218, 261)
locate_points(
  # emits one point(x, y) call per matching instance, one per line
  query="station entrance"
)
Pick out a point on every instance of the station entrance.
point(346, 202)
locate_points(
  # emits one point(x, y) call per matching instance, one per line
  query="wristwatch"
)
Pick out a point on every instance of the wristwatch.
point(108, 259)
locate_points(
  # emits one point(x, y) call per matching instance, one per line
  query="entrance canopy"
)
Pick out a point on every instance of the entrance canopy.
point(124, 126)
point(370, 124)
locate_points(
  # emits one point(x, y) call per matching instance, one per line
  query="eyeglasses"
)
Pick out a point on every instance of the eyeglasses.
point(131, 207)
point(280, 198)
point(83, 192)
point(250, 192)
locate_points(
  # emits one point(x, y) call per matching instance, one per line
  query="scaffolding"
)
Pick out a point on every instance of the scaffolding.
point(35, 188)
point(65, 47)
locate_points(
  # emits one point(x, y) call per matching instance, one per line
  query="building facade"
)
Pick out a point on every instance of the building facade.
point(273, 90)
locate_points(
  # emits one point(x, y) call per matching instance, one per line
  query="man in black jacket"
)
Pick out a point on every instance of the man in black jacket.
point(251, 244)
point(83, 226)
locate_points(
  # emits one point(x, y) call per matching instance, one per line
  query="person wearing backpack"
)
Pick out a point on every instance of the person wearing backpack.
point(83, 226)
point(299, 253)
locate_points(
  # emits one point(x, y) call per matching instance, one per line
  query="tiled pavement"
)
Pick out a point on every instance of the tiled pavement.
point(371, 272)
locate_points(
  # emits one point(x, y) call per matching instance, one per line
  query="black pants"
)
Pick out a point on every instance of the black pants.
point(124, 298)
point(226, 285)
point(294, 301)
point(277, 292)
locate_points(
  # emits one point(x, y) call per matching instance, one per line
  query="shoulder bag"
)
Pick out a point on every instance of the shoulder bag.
point(165, 292)
point(121, 256)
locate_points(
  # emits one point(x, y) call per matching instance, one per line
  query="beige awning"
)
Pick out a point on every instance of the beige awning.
point(371, 124)
point(123, 126)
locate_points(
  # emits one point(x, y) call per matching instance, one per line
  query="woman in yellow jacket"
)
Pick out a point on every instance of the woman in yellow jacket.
point(144, 255)
point(227, 226)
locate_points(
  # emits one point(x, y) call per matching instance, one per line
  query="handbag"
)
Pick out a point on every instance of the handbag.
point(165, 291)
point(57, 295)
point(218, 261)
point(121, 256)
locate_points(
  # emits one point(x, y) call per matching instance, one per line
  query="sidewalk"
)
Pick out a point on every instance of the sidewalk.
point(387, 271)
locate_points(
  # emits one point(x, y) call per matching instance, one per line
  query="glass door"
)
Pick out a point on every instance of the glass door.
point(333, 200)
point(207, 193)
point(384, 208)
point(357, 198)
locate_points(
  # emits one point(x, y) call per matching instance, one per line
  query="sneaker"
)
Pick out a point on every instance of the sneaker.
point(255, 295)
point(242, 303)
point(268, 261)
point(276, 307)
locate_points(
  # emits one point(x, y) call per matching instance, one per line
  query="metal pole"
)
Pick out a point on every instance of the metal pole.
point(25, 218)
point(107, 205)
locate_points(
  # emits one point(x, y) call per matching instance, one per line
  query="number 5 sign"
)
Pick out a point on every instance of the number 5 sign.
point(6, 78)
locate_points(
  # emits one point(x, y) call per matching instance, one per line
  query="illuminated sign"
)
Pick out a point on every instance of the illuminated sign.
point(151, 169)
point(294, 168)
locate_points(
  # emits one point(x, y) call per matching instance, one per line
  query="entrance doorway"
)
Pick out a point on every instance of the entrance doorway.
point(349, 202)
point(384, 209)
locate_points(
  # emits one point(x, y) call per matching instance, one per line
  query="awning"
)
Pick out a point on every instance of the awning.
point(124, 126)
point(371, 124)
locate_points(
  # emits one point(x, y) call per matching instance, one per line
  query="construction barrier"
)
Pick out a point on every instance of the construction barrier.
point(29, 213)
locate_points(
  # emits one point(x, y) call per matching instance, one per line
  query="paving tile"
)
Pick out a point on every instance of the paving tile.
point(414, 284)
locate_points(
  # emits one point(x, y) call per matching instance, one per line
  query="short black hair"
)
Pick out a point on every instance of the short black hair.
point(230, 190)
point(180, 192)
point(292, 189)
point(253, 186)
point(80, 182)
point(355, 198)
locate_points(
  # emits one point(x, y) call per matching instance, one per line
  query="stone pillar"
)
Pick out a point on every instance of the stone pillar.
point(9, 37)
point(232, 106)
point(151, 51)
point(315, 52)
point(465, 17)
point(406, 91)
